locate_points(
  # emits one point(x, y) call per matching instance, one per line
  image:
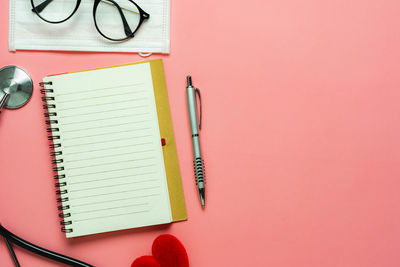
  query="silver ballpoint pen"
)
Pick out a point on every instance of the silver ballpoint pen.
point(198, 161)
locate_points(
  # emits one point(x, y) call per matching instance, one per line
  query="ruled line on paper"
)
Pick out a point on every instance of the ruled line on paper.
point(77, 137)
point(113, 155)
point(108, 148)
point(101, 88)
point(109, 163)
point(94, 97)
point(102, 217)
point(101, 104)
point(114, 200)
point(117, 177)
point(108, 118)
point(106, 141)
point(113, 208)
point(118, 192)
point(106, 126)
point(105, 186)
point(103, 111)
point(123, 169)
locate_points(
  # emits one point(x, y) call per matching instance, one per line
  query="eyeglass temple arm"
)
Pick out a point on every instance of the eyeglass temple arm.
point(124, 8)
point(127, 29)
point(39, 8)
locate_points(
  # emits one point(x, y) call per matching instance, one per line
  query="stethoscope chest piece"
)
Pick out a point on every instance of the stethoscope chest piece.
point(15, 87)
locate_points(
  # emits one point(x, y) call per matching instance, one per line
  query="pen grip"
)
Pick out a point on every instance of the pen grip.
point(198, 165)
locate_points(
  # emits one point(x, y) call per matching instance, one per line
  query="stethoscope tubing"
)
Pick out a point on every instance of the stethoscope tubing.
point(11, 250)
point(41, 251)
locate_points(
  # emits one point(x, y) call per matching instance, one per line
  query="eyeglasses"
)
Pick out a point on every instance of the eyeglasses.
point(113, 19)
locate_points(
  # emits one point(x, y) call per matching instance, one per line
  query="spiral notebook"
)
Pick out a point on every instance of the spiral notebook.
point(113, 149)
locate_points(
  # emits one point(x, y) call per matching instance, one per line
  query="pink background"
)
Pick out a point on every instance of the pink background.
point(301, 138)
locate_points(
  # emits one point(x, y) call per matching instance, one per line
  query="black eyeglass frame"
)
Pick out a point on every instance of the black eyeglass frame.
point(129, 33)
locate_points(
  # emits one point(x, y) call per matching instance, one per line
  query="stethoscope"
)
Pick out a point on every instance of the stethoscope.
point(16, 89)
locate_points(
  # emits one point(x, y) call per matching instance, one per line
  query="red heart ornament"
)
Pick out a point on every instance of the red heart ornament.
point(169, 252)
point(145, 261)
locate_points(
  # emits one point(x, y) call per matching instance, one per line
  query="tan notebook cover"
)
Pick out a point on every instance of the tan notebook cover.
point(178, 208)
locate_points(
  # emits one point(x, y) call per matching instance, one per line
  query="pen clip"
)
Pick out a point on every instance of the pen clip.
point(197, 91)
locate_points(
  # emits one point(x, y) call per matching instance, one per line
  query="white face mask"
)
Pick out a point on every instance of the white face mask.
point(27, 31)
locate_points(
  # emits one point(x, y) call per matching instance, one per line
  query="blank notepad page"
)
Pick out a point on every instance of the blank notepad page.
point(111, 149)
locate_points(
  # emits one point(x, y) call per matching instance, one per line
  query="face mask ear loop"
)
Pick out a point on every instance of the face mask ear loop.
point(144, 54)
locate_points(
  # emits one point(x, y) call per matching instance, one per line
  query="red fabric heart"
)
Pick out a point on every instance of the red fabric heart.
point(145, 261)
point(167, 251)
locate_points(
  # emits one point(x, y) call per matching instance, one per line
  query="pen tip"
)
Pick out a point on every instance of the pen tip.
point(202, 197)
point(189, 80)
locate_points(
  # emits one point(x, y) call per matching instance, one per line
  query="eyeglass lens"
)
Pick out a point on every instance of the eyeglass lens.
point(54, 10)
point(117, 19)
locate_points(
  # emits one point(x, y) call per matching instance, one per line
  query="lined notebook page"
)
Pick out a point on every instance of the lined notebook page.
point(111, 149)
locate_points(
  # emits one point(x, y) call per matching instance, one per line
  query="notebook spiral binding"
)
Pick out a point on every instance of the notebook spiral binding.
point(51, 120)
point(198, 165)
